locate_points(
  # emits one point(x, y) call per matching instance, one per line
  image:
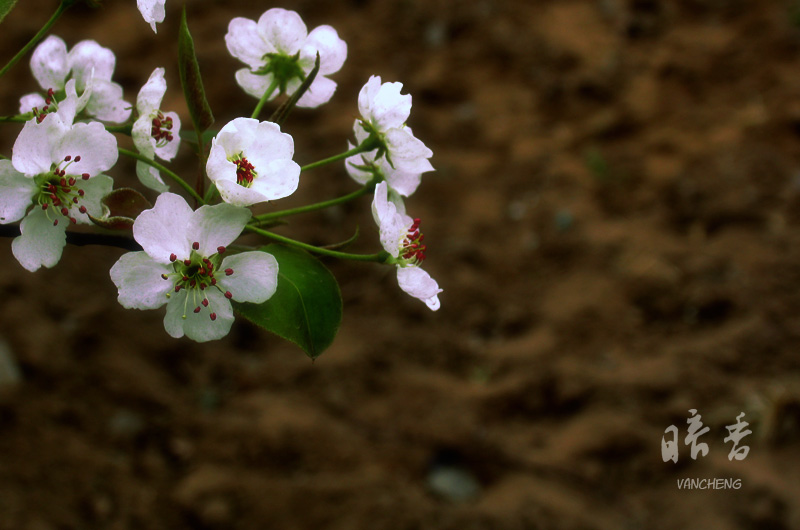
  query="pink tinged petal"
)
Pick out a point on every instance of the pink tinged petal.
point(33, 150)
point(139, 281)
point(320, 92)
point(49, 63)
point(367, 94)
point(419, 284)
point(93, 143)
point(142, 137)
point(106, 102)
point(244, 42)
point(151, 94)
point(332, 49)
point(152, 11)
point(16, 193)
point(198, 326)
point(168, 151)
point(41, 243)
point(283, 29)
point(254, 85)
point(389, 108)
point(254, 278)
point(163, 229)
point(237, 195)
point(150, 177)
point(216, 226)
point(87, 59)
point(30, 101)
point(278, 179)
point(94, 190)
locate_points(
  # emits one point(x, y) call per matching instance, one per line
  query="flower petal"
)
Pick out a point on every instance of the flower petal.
point(41, 243)
point(141, 133)
point(253, 84)
point(181, 319)
point(151, 94)
point(237, 195)
point(254, 278)
point(266, 144)
point(150, 177)
point(407, 152)
point(320, 92)
point(94, 190)
point(216, 226)
point(419, 284)
point(88, 60)
point(332, 49)
point(28, 102)
point(49, 63)
point(283, 29)
point(16, 193)
point(278, 179)
point(93, 143)
point(163, 229)
point(244, 42)
point(106, 102)
point(152, 11)
point(33, 150)
point(170, 149)
point(385, 107)
point(139, 281)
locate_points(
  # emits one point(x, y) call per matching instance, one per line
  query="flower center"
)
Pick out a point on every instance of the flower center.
point(195, 275)
point(245, 171)
point(41, 113)
point(283, 67)
point(59, 193)
point(411, 248)
point(161, 130)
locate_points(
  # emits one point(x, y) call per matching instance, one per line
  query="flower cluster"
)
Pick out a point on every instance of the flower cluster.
point(189, 260)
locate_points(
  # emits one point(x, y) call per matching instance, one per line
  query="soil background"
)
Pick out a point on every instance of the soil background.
point(613, 219)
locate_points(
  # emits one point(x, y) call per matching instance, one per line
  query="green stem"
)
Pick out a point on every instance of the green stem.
point(63, 6)
point(378, 258)
point(261, 219)
point(19, 118)
point(367, 145)
point(124, 129)
point(164, 170)
point(267, 94)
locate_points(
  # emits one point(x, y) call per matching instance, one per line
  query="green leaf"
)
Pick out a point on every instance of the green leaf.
point(306, 308)
point(192, 83)
point(5, 7)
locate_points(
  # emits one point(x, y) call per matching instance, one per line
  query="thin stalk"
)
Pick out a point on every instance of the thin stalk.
point(123, 129)
point(171, 174)
point(263, 218)
point(19, 118)
point(380, 257)
point(267, 94)
point(367, 145)
point(63, 6)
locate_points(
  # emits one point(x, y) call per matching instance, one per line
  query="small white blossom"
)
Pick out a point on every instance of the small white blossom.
point(182, 266)
point(155, 133)
point(384, 111)
point(90, 65)
point(152, 11)
point(55, 168)
point(279, 48)
point(251, 162)
point(400, 237)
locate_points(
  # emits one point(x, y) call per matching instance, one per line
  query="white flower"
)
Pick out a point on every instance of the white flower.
point(364, 167)
point(384, 111)
point(55, 168)
point(91, 66)
point(400, 237)
point(279, 48)
point(182, 266)
point(251, 162)
point(155, 133)
point(152, 11)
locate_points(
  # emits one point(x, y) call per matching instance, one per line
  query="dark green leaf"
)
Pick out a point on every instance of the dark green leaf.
point(280, 115)
point(193, 90)
point(5, 7)
point(306, 308)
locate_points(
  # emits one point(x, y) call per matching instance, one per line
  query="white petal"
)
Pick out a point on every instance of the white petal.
point(283, 29)
point(277, 180)
point(141, 133)
point(403, 182)
point(93, 143)
point(139, 281)
point(380, 203)
point(253, 84)
point(106, 102)
point(41, 243)
point(362, 159)
point(151, 94)
point(237, 195)
point(16, 193)
point(49, 63)
point(181, 319)
point(162, 230)
point(407, 152)
point(367, 94)
point(216, 226)
point(152, 11)
point(320, 92)
point(170, 149)
point(87, 59)
point(94, 190)
point(218, 167)
point(28, 102)
point(385, 107)
point(254, 278)
point(150, 177)
point(419, 284)
point(332, 49)
point(267, 143)
point(33, 150)
point(244, 42)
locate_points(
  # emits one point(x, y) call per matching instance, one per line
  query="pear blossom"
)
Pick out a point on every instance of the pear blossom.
point(251, 162)
point(401, 238)
point(90, 65)
point(152, 11)
point(55, 169)
point(182, 266)
point(384, 111)
point(155, 133)
point(278, 49)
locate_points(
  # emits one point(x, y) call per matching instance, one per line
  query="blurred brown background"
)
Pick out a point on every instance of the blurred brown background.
point(613, 220)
